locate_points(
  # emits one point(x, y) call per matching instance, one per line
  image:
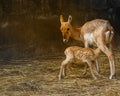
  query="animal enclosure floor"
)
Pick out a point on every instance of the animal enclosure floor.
point(36, 77)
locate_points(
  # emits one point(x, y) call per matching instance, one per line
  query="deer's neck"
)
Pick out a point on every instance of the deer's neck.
point(76, 34)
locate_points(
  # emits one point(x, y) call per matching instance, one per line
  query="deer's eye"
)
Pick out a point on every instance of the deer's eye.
point(68, 29)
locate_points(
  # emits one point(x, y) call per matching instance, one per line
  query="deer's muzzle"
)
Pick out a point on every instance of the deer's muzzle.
point(65, 40)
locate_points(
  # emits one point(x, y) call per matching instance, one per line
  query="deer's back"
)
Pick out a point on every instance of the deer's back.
point(97, 29)
point(93, 25)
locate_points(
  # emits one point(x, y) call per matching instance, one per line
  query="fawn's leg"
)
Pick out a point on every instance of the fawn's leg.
point(91, 69)
point(62, 68)
point(85, 69)
point(68, 60)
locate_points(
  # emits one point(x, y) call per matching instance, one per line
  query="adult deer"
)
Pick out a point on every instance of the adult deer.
point(97, 32)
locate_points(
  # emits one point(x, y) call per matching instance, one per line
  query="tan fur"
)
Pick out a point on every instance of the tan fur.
point(97, 32)
point(76, 53)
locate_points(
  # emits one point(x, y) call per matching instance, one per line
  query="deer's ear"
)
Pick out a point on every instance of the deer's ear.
point(61, 19)
point(70, 19)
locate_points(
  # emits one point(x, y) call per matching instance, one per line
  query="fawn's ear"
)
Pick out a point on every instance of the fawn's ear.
point(61, 19)
point(70, 19)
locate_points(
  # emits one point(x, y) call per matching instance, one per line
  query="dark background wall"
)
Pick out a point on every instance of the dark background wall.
point(30, 28)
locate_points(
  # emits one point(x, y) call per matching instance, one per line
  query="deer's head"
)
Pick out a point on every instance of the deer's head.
point(66, 28)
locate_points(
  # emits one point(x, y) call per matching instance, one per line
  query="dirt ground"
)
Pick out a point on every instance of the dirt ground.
point(39, 77)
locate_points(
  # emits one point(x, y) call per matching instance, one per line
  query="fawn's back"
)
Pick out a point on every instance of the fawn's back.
point(79, 53)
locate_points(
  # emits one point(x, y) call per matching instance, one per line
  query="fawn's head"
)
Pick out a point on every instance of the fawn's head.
point(66, 28)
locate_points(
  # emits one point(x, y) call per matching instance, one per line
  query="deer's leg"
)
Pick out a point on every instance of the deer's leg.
point(60, 73)
point(97, 64)
point(91, 69)
point(86, 44)
point(96, 72)
point(85, 70)
point(86, 66)
point(110, 47)
point(62, 69)
point(111, 59)
point(68, 60)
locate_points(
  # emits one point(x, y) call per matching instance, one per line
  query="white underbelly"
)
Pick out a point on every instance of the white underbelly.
point(89, 38)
